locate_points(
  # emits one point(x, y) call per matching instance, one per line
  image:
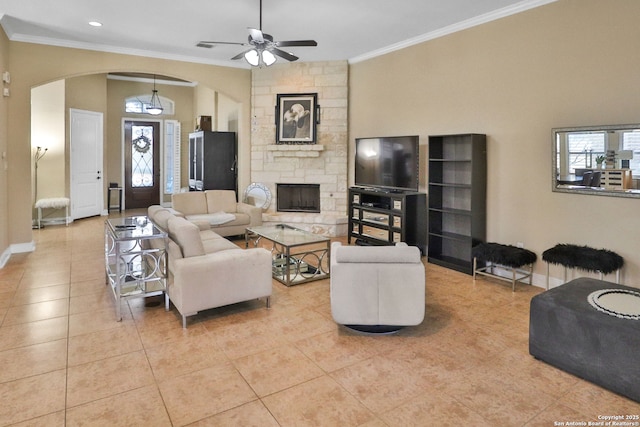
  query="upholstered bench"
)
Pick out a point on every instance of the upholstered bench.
point(601, 261)
point(507, 257)
point(591, 329)
point(53, 203)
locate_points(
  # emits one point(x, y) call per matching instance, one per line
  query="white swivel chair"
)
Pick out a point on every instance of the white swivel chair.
point(377, 288)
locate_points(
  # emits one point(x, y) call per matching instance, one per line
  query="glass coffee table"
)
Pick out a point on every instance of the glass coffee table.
point(298, 255)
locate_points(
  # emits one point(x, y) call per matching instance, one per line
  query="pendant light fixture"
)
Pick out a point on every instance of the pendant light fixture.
point(155, 107)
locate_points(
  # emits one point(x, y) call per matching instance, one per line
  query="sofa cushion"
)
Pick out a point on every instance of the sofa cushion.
point(191, 203)
point(218, 218)
point(187, 236)
point(217, 245)
point(241, 219)
point(209, 235)
point(220, 200)
point(376, 254)
point(161, 218)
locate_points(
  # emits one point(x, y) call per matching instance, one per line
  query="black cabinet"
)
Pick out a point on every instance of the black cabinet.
point(457, 198)
point(212, 161)
point(377, 217)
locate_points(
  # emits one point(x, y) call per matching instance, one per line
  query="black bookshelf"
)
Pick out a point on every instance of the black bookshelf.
point(457, 198)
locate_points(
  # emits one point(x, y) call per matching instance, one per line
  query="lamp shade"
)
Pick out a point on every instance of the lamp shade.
point(252, 57)
point(155, 107)
point(268, 58)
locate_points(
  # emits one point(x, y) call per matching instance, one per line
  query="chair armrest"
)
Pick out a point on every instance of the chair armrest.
point(254, 212)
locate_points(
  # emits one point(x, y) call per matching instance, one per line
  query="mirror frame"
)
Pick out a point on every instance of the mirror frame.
point(590, 191)
point(256, 186)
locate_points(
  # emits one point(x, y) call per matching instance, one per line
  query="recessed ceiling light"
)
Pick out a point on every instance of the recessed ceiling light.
point(95, 23)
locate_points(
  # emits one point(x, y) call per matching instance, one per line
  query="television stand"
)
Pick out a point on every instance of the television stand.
point(381, 217)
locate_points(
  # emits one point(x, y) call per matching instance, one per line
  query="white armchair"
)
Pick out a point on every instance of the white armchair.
point(377, 286)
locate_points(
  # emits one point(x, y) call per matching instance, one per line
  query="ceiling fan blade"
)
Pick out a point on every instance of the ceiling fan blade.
point(210, 42)
point(240, 55)
point(256, 35)
point(283, 54)
point(297, 43)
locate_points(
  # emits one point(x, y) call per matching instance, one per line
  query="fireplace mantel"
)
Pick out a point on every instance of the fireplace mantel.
point(295, 150)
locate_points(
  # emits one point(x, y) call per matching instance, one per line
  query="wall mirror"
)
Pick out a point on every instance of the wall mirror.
point(597, 160)
point(258, 195)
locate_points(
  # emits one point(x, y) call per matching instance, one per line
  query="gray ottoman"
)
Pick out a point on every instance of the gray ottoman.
point(568, 332)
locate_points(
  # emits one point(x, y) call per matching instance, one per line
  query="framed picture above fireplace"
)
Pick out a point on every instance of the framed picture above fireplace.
point(297, 115)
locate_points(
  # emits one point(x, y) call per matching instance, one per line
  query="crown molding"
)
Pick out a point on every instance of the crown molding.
point(17, 37)
point(454, 28)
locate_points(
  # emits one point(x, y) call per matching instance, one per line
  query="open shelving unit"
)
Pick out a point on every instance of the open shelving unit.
point(457, 198)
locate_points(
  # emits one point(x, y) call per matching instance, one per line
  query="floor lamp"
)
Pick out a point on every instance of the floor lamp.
point(37, 156)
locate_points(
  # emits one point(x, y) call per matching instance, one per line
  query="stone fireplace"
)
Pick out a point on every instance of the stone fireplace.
point(323, 164)
point(298, 197)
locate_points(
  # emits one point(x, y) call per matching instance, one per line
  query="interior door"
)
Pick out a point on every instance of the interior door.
point(86, 140)
point(141, 164)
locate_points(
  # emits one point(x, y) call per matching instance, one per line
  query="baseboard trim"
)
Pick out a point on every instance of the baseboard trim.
point(4, 258)
point(19, 248)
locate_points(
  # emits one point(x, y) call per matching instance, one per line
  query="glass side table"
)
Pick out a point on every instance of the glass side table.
point(135, 259)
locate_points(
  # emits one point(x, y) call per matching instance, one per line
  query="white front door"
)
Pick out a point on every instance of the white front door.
point(86, 163)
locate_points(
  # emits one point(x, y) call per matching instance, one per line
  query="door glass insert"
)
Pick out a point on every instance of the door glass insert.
point(142, 156)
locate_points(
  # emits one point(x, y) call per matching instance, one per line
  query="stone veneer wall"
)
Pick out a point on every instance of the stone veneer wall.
point(323, 163)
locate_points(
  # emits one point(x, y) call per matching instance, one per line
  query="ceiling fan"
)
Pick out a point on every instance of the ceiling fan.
point(263, 49)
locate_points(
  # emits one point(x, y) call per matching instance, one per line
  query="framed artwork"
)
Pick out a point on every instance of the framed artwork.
point(297, 115)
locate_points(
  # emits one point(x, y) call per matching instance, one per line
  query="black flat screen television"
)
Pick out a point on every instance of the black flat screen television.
point(387, 163)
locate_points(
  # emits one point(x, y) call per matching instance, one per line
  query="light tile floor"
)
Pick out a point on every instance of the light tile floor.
point(64, 360)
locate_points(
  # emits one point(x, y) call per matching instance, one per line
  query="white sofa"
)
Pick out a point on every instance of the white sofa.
point(219, 209)
point(206, 270)
point(377, 286)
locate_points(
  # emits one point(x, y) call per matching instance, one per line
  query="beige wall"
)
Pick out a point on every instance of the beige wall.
point(204, 105)
point(226, 114)
point(568, 63)
point(48, 132)
point(33, 65)
point(4, 162)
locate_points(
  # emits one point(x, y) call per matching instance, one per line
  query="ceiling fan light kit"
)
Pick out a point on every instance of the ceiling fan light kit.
point(255, 57)
point(264, 51)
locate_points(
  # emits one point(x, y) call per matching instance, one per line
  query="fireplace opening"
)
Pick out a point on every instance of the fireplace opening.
point(298, 197)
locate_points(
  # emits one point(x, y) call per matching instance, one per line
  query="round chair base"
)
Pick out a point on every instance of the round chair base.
point(375, 329)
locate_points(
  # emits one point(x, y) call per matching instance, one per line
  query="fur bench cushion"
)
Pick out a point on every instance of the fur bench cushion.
point(53, 203)
point(507, 255)
point(584, 257)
